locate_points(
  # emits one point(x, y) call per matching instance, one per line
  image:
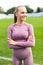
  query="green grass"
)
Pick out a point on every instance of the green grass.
point(5, 62)
point(37, 23)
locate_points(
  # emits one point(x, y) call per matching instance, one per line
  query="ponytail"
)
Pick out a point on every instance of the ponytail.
point(15, 18)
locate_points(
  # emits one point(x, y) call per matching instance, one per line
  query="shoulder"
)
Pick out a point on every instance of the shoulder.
point(11, 26)
point(30, 28)
point(28, 25)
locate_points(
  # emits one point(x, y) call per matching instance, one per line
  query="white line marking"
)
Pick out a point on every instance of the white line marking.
point(9, 59)
point(5, 58)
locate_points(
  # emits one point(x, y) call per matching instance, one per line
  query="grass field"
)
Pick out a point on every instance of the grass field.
point(37, 23)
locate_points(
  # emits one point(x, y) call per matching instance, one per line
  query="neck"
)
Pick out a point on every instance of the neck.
point(19, 22)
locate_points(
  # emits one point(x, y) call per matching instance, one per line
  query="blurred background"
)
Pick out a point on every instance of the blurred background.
point(34, 16)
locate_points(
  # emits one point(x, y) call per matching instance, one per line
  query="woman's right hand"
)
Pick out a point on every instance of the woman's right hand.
point(12, 42)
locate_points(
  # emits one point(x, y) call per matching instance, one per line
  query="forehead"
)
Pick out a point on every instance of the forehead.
point(22, 9)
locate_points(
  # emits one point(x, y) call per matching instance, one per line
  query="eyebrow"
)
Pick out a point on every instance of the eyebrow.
point(23, 12)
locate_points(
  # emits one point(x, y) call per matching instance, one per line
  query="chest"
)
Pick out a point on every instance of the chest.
point(19, 32)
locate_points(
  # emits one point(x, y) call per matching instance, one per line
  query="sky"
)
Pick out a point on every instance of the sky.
point(6, 4)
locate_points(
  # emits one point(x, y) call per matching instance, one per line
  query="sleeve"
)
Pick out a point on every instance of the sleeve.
point(10, 37)
point(30, 43)
point(9, 32)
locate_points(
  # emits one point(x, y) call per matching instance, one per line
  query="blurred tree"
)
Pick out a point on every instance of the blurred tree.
point(38, 9)
point(29, 10)
point(1, 10)
point(10, 11)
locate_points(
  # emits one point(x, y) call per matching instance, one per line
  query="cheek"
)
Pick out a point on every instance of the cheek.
point(23, 15)
point(20, 14)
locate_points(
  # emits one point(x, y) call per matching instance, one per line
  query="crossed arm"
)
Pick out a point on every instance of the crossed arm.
point(29, 43)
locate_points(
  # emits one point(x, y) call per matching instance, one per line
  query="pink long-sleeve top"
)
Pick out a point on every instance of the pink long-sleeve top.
point(20, 34)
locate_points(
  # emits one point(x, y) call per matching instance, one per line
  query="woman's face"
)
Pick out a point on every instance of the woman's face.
point(21, 14)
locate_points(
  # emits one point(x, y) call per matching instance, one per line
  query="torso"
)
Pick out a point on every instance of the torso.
point(20, 33)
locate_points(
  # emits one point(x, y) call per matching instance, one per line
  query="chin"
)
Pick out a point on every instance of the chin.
point(23, 19)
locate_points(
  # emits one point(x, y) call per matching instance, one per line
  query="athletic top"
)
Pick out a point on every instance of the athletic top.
point(20, 34)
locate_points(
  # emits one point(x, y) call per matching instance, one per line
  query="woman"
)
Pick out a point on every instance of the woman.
point(21, 38)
